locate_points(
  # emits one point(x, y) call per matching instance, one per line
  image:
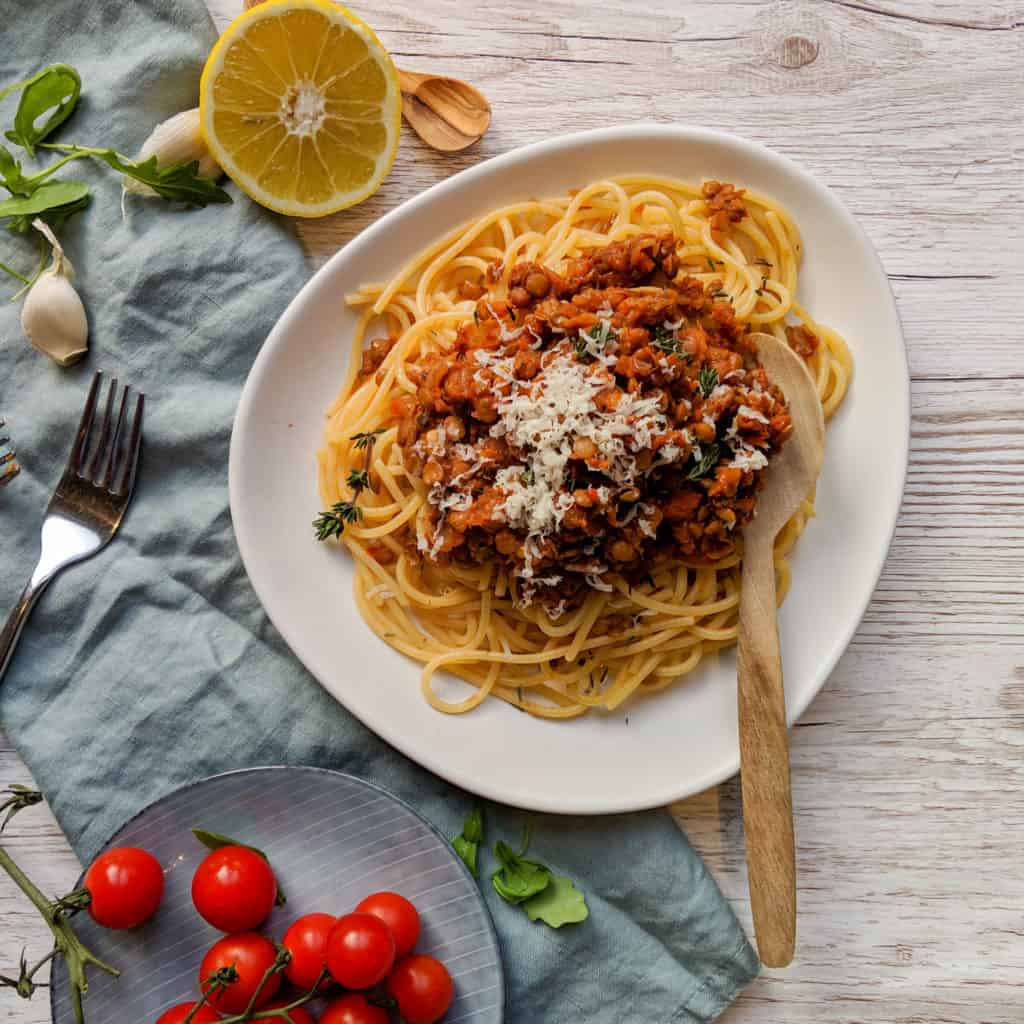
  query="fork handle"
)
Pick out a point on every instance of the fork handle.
point(16, 620)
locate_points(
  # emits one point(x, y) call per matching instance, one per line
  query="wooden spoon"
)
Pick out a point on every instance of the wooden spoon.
point(764, 745)
point(446, 113)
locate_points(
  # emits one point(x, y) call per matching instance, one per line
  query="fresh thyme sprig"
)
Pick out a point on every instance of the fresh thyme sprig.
point(364, 437)
point(358, 479)
point(666, 341)
point(598, 337)
point(332, 523)
point(707, 380)
point(702, 466)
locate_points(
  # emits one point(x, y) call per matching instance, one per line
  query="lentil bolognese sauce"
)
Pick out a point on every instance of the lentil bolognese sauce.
point(544, 459)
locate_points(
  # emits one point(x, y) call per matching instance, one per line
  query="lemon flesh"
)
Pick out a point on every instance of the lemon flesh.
point(300, 105)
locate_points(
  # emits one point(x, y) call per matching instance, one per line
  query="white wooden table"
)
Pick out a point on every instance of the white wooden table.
point(909, 768)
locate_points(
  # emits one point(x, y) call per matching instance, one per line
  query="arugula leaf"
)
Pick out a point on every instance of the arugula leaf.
point(216, 841)
point(560, 903)
point(467, 843)
point(53, 201)
point(180, 182)
point(10, 172)
point(54, 91)
point(518, 878)
point(705, 463)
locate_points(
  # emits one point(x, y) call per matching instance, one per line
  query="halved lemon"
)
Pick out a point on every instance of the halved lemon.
point(299, 103)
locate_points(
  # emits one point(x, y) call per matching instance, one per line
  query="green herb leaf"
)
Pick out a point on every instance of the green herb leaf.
point(558, 904)
point(53, 201)
point(10, 173)
point(702, 466)
point(55, 91)
point(363, 438)
point(666, 341)
point(528, 476)
point(518, 878)
point(707, 380)
point(596, 338)
point(333, 522)
point(179, 183)
point(467, 843)
point(217, 841)
point(358, 479)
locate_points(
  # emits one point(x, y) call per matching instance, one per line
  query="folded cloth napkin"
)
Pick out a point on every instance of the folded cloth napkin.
point(153, 664)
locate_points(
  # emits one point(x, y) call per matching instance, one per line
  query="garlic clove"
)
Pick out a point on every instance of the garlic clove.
point(173, 141)
point(53, 316)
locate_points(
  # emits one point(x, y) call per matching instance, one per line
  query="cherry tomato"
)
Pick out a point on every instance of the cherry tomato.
point(401, 917)
point(126, 885)
point(251, 955)
point(300, 1015)
point(422, 987)
point(360, 950)
point(306, 940)
point(234, 889)
point(176, 1014)
point(353, 1009)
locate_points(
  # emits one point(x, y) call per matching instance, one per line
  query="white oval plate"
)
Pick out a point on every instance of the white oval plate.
point(657, 749)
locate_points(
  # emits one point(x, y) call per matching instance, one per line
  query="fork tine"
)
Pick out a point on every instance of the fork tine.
point(100, 452)
point(77, 455)
point(115, 443)
point(131, 461)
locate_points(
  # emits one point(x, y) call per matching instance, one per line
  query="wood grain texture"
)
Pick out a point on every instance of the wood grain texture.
point(763, 736)
point(908, 769)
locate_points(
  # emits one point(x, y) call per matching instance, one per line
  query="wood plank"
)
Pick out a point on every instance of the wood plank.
point(908, 775)
point(914, 125)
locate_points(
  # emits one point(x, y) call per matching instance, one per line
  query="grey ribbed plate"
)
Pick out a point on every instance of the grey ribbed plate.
point(332, 839)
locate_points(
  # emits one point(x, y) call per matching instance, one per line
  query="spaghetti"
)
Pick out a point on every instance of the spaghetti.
point(543, 465)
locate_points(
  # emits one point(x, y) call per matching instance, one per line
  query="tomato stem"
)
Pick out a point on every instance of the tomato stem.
point(281, 961)
point(250, 1014)
point(66, 943)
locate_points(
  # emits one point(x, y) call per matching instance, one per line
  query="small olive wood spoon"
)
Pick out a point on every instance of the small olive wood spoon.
point(764, 744)
point(446, 113)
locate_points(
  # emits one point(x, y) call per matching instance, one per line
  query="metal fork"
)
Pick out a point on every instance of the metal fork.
point(9, 469)
point(90, 501)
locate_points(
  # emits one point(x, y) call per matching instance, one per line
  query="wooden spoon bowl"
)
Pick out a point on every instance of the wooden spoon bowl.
point(446, 113)
point(764, 744)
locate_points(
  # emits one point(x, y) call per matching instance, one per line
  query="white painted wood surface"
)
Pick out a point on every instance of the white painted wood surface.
point(909, 768)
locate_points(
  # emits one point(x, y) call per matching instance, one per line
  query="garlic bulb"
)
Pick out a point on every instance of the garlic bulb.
point(53, 316)
point(173, 141)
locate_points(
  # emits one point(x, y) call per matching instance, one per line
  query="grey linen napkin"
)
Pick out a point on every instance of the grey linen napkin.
point(153, 664)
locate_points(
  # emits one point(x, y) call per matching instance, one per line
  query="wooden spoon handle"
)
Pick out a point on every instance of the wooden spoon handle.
point(764, 758)
point(410, 81)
